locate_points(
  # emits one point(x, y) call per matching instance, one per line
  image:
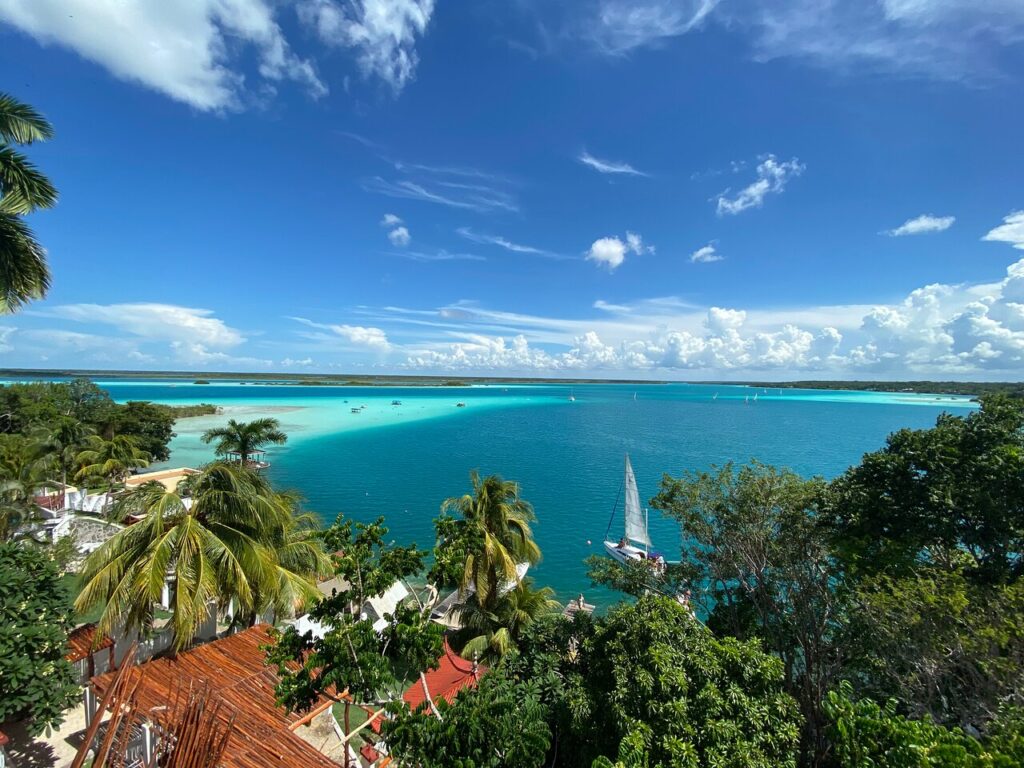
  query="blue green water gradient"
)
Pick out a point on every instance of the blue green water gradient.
point(401, 461)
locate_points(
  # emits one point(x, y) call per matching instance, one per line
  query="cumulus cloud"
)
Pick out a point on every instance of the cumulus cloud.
point(611, 252)
point(367, 337)
point(190, 51)
point(772, 177)
point(922, 225)
point(608, 166)
point(390, 220)
point(383, 33)
point(161, 322)
point(706, 255)
point(399, 236)
point(1010, 231)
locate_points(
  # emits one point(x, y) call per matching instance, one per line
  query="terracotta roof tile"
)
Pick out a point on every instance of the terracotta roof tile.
point(451, 676)
point(81, 643)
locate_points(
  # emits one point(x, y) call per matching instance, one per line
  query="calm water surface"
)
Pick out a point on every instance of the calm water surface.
point(400, 461)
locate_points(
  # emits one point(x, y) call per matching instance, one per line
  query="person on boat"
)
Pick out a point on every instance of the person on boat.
point(622, 543)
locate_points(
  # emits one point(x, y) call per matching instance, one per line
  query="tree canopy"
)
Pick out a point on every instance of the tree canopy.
point(36, 683)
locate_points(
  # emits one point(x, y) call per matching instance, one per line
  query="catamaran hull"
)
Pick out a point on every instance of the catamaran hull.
point(625, 553)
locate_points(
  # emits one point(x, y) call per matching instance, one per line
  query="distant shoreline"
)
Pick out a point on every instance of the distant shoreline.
point(964, 388)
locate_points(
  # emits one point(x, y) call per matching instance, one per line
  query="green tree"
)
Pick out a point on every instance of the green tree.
point(864, 733)
point(947, 648)
point(497, 520)
point(149, 424)
point(650, 685)
point(25, 465)
point(761, 566)
point(65, 439)
point(373, 667)
point(245, 438)
point(489, 634)
point(501, 723)
point(36, 682)
point(110, 460)
point(936, 496)
point(235, 539)
point(24, 274)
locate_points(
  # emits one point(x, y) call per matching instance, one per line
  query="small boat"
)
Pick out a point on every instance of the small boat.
point(572, 397)
point(635, 545)
point(634, 396)
point(746, 399)
point(396, 402)
point(755, 397)
point(715, 396)
point(460, 405)
point(357, 410)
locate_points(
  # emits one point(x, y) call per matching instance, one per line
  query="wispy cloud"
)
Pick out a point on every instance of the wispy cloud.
point(470, 197)
point(921, 225)
point(1010, 231)
point(383, 33)
point(621, 26)
point(608, 166)
point(605, 306)
point(501, 242)
point(439, 255)
point(706, 255)
point(772, 177)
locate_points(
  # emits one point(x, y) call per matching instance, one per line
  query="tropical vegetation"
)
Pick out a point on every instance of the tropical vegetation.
point(245, 438)
point(24, 273)
point(225, 538)
point(36, 683)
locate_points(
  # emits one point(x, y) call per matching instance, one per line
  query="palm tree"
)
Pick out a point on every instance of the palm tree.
point(110, 460)
point(24, 274)
point(25, 466)
point(235, 539)
point(245, 438)
point(65, 440)
point(490, 634)
point(501, 522)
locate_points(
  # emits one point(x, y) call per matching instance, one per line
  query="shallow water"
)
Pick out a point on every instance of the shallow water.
point(401, 461)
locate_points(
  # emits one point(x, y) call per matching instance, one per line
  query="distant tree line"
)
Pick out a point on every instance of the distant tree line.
point(30, 407)
point(969, 388)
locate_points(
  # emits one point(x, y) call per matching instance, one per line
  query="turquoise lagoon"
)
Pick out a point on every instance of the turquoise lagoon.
point(400, 461)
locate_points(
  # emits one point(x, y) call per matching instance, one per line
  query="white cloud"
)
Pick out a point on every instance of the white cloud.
point(399, 236)
point(621, 26)
point(160, 322)
point(772, 177)
point(1010, 231)
point(944, 39)
point(440, 255)
point(706, 255)
point(611, 251)
point(190, 51)
point(6, 332)
point(607, 307)
point(358, 335)
point(508, 245)
point(363, 336)
point(608, 166)
point(390, 220)
point(471, 197)
point(922, 225)
point(382, 32)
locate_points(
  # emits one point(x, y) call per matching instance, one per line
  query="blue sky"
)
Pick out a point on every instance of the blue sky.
point(678, 189)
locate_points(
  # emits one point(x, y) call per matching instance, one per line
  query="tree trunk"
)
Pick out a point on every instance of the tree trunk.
point(348, 730)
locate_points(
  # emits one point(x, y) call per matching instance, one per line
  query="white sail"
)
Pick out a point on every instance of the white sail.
point(636, 520)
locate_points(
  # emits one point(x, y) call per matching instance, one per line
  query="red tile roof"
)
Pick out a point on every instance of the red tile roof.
point(234, 670)
point(82, 643)
point(451, 676)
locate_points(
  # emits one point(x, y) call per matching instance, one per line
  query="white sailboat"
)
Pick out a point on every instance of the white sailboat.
point(635, 545)
point(572, 397)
